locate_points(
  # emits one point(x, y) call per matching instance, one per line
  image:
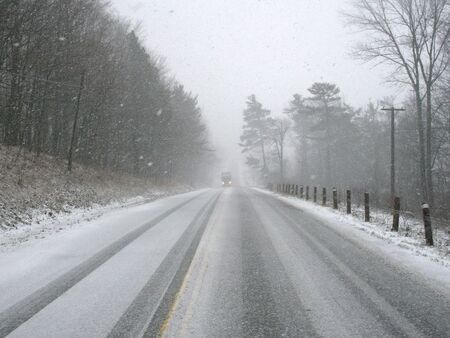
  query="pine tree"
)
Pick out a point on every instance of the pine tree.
point(255, 134)
point(301, 116)
point(325, 103)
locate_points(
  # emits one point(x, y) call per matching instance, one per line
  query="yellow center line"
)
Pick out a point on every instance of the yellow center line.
point(201, 258)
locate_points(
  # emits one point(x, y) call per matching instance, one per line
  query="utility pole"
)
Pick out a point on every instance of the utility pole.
point(393, 110)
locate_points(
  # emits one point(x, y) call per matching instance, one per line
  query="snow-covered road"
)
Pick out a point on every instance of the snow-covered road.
point(221, 262)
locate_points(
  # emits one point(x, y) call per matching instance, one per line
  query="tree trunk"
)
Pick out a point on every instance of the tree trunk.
point(429, 151)
point(327, 150)
point(282, 160)
point(304, 172)
point(422, 159)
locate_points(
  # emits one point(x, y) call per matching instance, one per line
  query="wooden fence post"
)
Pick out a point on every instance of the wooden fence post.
point(301, 191)
point(296, 190)
point(315, 195)
point(396, 214)
point(335, 202)
point(366, 207)
point(324, 196)
point(349, 202)
point(427, 224)
point(307, 192)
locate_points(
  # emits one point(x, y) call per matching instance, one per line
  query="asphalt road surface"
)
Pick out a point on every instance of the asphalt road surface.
point(230, 262)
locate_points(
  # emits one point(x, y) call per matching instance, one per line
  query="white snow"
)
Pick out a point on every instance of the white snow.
point(410, 252)
point(117, 282)
point(45, 224)
point(31, 266)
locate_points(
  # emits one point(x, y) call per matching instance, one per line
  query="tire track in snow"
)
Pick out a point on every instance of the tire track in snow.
point(394, 321)
point(151, 306)
point(19, 313)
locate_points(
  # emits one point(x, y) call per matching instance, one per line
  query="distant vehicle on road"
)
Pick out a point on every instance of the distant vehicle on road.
point(226, 179)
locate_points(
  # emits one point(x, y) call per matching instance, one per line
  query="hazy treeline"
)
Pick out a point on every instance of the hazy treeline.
point(331, 144)
point(66, 62)
point(338, 145)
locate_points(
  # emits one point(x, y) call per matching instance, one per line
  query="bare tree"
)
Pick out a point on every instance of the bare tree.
point(130, 117)
point(411, 36)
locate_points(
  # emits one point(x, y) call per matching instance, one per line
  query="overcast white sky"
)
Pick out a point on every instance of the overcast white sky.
point(225, 50)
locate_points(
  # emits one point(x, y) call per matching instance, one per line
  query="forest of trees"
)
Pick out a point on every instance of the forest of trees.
point(335, 144)
point(77, 83)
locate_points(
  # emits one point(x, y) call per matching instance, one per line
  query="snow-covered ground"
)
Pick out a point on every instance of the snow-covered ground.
point(38, 197)
point(44, 224)
point(408, 250)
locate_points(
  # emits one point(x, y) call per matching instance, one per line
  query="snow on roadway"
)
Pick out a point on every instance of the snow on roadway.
point(37, 262)
point(113, 285)
point(409, 252)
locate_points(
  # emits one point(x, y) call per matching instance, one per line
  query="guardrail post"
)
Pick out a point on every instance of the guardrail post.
point(427, 224)
point(349, 202)
point(335, 202)
point(366, 207)
point(307, 192)
point(396, 214)
point(301, 191)
point(315, 195)
point(324, 196)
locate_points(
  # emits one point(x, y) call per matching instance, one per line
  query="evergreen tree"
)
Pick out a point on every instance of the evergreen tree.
point(255, 134)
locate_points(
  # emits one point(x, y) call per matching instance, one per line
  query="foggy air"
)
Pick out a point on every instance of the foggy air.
point(240, 168)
